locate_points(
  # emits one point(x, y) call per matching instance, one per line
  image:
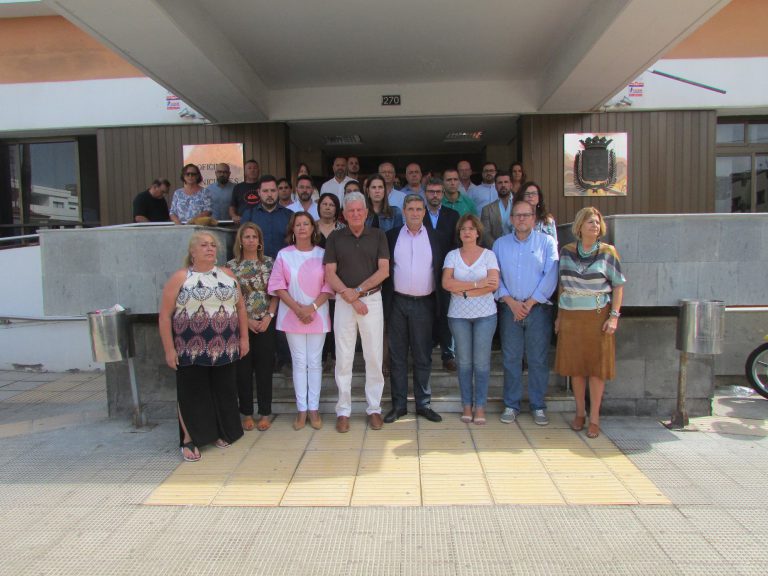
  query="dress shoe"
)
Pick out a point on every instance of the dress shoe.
point(429, 414)
point(394, 415)
point(375, 421)
point(315, 420)
point(450, 364)
point(342, 424)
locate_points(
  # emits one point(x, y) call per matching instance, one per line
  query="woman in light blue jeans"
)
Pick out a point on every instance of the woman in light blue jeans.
point(471, 275)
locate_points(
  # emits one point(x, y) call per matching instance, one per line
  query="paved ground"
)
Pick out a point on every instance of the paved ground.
point(73, 501)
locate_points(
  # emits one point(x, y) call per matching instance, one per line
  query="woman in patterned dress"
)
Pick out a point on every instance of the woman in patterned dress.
point(252, 269)
point(471, 275)
point(298, 279)
point(192, 200)
point(204, 330)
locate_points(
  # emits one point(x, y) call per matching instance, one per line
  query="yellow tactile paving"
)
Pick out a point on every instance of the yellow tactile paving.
point(411, 463)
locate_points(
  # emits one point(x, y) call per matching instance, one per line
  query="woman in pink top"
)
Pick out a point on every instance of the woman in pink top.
point(298, 279)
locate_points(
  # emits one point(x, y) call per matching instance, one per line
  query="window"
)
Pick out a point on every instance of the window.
point(742, 166)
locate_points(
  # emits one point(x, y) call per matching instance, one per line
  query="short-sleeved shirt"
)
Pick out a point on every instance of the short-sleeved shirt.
point(253, 277)
point(153, 209)
point(462, 205)
point(472, 306)
point(587, 281)
point(186, 207)
point(356, 258)
point(221, 196)
point(245, 195)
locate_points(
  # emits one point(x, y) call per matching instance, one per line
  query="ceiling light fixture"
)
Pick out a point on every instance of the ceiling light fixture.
point(350, 140)
point(463, 136)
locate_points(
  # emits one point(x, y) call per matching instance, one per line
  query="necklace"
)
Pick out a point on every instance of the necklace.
point(582, 267)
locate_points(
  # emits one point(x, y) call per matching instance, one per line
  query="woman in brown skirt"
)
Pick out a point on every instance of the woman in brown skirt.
point(590, 293)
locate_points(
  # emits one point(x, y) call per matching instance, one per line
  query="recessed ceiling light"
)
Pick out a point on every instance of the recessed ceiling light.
point(463, 136)
point(349, 140)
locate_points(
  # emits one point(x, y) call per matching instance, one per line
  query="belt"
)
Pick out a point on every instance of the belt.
point(409, 297)
point(369, 292)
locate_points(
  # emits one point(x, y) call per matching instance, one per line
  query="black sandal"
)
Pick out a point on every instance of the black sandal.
point(192, 448)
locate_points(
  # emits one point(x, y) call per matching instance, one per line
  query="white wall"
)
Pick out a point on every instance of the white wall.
point(87, 103)
point(57, 345)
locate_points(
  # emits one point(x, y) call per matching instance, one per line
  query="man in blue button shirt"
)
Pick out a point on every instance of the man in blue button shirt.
point(528, 263)
point(270, 216)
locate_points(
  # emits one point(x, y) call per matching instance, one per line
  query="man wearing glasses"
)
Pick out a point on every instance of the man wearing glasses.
point(528, 263)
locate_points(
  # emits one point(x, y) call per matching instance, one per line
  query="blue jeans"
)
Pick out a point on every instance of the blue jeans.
point(530, 336)
point(473, 338)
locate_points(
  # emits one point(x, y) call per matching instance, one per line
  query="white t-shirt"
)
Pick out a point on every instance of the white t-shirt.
point(477, 306)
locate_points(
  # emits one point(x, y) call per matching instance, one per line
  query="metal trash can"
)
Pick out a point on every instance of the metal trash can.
point(110, 335)
point(701, 326)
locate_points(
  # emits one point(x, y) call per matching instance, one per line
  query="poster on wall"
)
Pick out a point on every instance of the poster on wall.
point(206, 156)
point(595, 164)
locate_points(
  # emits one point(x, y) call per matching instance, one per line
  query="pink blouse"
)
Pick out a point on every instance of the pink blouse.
point(302, 274)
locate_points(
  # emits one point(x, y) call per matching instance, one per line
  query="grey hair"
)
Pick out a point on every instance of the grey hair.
point(354, 197)
point(413, 198)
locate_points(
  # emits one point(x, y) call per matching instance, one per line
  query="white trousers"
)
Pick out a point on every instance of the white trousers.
point(346, 324)
point(306, 356)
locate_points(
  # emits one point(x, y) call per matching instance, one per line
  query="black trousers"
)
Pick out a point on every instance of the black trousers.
point(258, 362)
point(207, 402)
point(410, 328)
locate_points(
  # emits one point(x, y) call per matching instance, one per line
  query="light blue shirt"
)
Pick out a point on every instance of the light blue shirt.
point(528, 268)
point(434, 217)
point(482, 195)
point(221, 197)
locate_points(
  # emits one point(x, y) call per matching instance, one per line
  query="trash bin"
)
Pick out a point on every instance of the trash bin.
point(110, 335)
point(701, 326)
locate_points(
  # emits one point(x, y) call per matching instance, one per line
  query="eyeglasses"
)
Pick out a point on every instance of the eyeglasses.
point(529, 194)
point(523, 215)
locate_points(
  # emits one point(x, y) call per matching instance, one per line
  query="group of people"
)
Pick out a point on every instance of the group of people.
point(403, 270)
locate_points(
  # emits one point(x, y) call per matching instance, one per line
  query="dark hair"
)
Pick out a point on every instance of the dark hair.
point(501, 173)
point(511, 166)
point(251, 161)
point(334, 199)
point(353, 181)
point(199, 174)
point(541, 209)
point(386, 209)
point(305, 166)
point(281, 180)
point(478, 225)
point(305, 177)
point(489, 163)
point(290, 239)
point(161, 182)
point(435, 182)
point(450, 170)
point(267, 178)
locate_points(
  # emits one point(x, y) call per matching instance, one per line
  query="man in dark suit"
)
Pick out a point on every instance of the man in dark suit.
point(411, 305)
point(443, 220)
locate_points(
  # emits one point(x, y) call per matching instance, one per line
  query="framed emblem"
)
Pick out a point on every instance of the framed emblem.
point(595, 164)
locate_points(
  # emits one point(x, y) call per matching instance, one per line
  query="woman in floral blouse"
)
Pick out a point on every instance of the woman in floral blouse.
point(252, 269)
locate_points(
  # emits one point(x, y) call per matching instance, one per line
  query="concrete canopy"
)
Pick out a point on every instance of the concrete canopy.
point(253, 61)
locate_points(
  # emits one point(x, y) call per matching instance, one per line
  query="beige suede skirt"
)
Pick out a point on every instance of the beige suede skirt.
point(583, 349)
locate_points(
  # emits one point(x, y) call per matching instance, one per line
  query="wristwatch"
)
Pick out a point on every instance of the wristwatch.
point(614, 313)
point(271, 315)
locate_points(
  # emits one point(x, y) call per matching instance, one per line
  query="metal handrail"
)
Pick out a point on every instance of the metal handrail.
point(17, 238)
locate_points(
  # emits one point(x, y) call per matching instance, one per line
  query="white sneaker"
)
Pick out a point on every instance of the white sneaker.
point(509, 415)
point(540, 417)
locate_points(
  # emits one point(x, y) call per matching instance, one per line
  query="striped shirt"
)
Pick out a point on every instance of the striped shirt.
point(587, 282)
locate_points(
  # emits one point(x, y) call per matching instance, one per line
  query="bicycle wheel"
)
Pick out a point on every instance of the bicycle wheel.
point(757, 369)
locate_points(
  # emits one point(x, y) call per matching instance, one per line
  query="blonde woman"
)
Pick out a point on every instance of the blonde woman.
point(204, 331)
point(590, 295)
point(252, 269)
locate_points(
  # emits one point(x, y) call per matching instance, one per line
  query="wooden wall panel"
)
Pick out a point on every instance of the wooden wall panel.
point(671, 168)
point(130, 158)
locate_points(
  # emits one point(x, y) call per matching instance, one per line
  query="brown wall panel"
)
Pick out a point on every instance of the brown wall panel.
point(130, 158)
point(671, 160)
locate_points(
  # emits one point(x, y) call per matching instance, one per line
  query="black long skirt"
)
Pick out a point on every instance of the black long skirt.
point(207, 402)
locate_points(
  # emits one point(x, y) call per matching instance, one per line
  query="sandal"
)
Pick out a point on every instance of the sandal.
point(222, 443)
point(593, 431)
point(480, 420)
point(264, 424)
point(192, 448)
point(248, 423)
point(578, 423)
point(466, 419)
